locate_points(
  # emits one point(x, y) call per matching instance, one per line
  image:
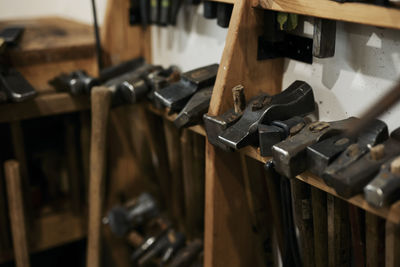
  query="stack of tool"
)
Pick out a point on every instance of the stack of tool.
point(151, 235)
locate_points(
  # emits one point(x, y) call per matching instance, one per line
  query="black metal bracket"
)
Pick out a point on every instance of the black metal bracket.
point(291, 46)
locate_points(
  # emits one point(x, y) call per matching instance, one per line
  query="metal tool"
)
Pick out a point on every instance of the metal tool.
point(350, 181)
point(122, 219)
point(324, 38)
point(15, 87)
point(290, 253)
point(323, 153)
point(276, 131)
point(296, 100)
point(290, 154)
point(187, 255)
point(215, 125)
point(175, 6)
point(79, 82)
point(194, 109)
point(385, 187)
point(376, 133)
point(224, 13)
point(164, 12)
point(165, 246)
point(176, 95)
point(99, 51)
point(210, 9)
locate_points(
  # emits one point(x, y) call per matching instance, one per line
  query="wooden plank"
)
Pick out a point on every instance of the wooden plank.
point(121, 41)
point(391, 213)
point(16, 211)
point(193, 149)
point(101, 100)
point(374, 240)
point(303, 219)
point(350, 12)
point(357, 225)
point(52, 230)
point(339, 252)
point(320, 223)
point(392, 244)
point(229, 240)
point(257, 199)
point(43, 105)
point(172, 138)
point(72, 161)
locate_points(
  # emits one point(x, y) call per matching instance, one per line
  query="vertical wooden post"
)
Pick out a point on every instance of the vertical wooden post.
point(392, 244)
point(101, 99)
point(16, 210)
point(374, 242)
point(320, 222)
point(192, 146)
point(229, 240)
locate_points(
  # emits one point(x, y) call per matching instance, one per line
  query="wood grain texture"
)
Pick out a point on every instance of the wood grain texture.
point(320, 223)
point(16, 211)
point(229, 239)
point(50, 46)
point(392, 244)
point(339, 245)
point(193, 149)
point(75, 178)
point(121, 41)
point(350, 12)
point(172, 138)
point(357, 224)
point(257, 200)
point(303, 219)
point(101, 99)
point(374, 240)
point(43, 105)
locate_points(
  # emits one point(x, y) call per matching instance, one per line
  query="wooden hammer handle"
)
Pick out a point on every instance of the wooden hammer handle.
point(101, 100)
point(16, 210)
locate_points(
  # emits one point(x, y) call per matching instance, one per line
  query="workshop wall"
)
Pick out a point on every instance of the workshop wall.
point(366, 62)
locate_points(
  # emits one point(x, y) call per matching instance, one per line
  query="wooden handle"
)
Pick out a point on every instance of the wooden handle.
point(101, 99)
point(16, 210)
point(193, 161)
point(319, 211)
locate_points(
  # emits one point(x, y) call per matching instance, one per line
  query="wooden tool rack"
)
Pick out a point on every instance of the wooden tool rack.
point(228, 236)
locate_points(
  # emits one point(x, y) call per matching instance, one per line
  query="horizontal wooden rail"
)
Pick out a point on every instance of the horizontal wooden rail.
point(350, 12)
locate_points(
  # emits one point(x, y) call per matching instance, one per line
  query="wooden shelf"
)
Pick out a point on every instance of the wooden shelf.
point(390, 213)
point(350, 12)
point(43, 105)
point(52, 230)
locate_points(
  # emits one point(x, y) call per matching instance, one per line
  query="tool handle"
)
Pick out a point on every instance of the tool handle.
point(101, 100)
point(16, 210)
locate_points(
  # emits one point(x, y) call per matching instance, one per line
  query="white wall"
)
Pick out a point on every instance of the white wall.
point(75, 9)
point(366, 63)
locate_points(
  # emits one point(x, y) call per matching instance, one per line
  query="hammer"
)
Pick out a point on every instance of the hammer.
point(101, 101)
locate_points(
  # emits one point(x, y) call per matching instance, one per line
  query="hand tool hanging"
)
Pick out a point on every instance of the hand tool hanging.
point(99, 51)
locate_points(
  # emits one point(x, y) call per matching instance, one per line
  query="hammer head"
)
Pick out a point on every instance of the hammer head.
point(290, 155)
point(194, 109)
point(177, 94)
point(296, 100)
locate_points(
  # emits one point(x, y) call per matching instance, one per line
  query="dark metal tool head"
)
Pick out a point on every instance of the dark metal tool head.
point(122, 219)
point(290, 155)
point(194, 109)
point(296, 100)
point(215, 125)
point(385, 187)
point(374, 134)
point(351, 180)
point(15, 86)
point(77, 82)
point(177, 94)
point(171, 240)
point(276, 131)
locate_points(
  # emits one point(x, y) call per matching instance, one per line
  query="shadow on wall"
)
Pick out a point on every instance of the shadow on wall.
point(193, 42)
point(367, 50)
